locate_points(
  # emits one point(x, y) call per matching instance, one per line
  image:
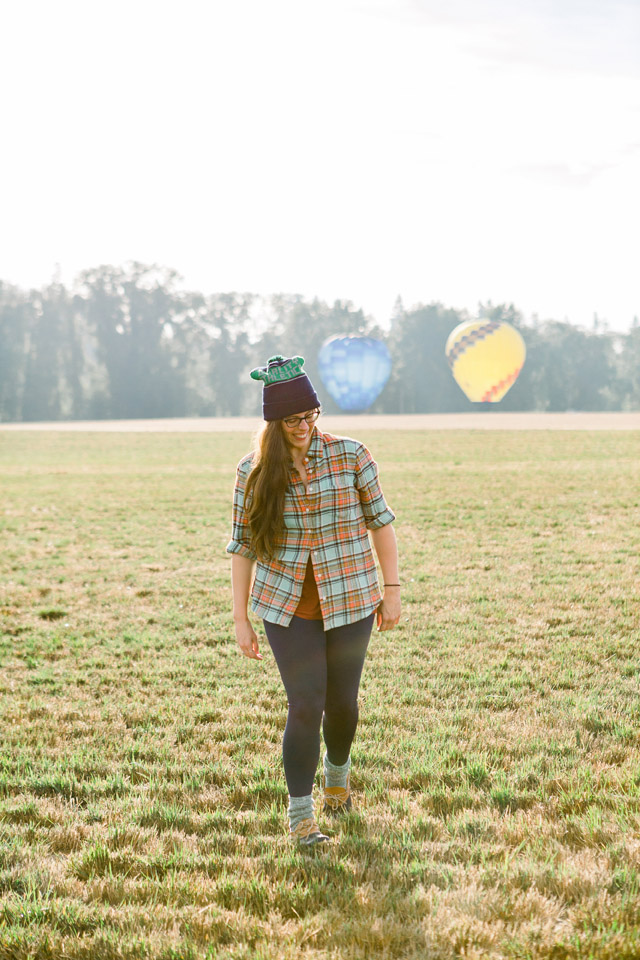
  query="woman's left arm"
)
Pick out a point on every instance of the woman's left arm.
point(384, 541)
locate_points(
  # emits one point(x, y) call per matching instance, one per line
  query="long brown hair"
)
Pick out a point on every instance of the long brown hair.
point(267, 483)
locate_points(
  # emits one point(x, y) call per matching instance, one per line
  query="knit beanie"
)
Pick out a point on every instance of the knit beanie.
point(287, 389)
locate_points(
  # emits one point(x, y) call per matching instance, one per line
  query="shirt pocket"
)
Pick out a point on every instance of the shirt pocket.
point(344, 501)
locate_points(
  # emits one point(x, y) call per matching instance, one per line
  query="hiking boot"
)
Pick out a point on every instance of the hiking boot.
point(337, 800)
point(307, 833)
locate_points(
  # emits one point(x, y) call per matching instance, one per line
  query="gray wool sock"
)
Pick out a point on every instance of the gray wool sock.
point(336, 776)
point(300, 808)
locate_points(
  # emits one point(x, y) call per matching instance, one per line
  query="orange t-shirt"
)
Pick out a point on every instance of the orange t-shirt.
point(309, 605)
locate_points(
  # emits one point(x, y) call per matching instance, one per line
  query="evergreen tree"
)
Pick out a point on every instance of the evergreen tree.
point(421, 380)
point(43, 396)
point(133, 311)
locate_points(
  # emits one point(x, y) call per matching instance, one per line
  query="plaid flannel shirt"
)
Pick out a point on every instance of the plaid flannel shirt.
point(329, 521)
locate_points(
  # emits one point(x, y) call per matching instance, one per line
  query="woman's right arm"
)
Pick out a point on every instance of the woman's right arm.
point(241, 577)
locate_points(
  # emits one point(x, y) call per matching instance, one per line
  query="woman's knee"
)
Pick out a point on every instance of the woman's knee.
point(341, 709)
point(306, 713)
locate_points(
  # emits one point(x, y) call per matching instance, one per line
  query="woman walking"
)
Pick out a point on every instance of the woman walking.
point(303, 503)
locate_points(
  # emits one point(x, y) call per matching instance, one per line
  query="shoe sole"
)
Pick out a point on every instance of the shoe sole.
point(328, 811)
point(313, 843)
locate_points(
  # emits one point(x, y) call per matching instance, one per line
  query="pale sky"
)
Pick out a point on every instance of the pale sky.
point(452, 150)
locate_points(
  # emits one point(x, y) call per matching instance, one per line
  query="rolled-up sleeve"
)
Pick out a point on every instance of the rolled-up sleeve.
point(374, 506)
point(240, 539)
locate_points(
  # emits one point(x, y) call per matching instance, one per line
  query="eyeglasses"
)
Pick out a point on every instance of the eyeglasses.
point(293, 422)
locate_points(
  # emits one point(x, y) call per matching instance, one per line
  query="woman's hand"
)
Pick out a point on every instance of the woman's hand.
point(247, 639)
point(388, 612)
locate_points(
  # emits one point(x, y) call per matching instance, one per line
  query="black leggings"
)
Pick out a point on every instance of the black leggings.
point(321, 674)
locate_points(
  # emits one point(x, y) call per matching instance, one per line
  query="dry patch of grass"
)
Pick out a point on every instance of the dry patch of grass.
point(496, 767)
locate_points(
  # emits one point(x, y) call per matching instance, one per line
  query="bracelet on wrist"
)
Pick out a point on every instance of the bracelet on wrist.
point(391, 584)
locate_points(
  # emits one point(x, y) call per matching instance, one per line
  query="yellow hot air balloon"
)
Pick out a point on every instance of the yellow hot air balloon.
point(485, 357)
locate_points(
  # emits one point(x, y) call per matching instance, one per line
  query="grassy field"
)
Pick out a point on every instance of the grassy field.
point(496, 768)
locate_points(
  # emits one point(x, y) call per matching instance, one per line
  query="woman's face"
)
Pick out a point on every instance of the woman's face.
point(298, 435)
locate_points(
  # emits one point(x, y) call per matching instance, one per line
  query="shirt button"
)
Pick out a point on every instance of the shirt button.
point(306, 460)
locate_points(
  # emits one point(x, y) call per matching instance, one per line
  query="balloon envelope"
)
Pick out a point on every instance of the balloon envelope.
point(354, 370)
point(485, 357)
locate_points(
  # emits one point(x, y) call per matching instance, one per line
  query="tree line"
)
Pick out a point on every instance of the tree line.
point(129, 342)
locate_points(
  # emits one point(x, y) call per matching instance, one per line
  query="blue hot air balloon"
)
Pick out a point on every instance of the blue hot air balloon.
point(354, 370)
